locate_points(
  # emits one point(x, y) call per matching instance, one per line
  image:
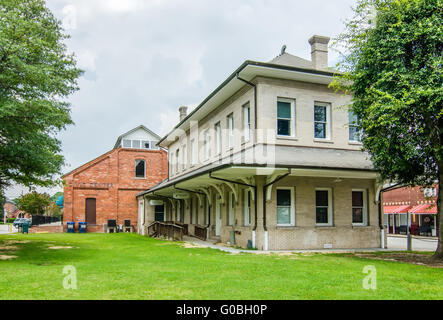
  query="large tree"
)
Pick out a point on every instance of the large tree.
point(393, 67)
point(34, 203)
point(36, 76)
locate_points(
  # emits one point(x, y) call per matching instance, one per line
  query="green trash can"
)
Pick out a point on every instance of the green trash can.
point(25, 228)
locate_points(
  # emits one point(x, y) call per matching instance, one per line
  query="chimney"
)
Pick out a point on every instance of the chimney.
point(183, 112)
point(319, 51)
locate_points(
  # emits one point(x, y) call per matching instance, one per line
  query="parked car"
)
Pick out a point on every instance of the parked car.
point(21, 221)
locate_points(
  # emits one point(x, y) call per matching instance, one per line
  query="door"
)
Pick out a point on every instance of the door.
point(217, 217)
point(90, 212)
point(160, 213)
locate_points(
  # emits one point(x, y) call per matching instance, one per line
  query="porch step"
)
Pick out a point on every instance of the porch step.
point(215, 239)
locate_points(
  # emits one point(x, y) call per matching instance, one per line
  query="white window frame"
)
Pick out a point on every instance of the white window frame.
point(365, 208)
point(353, 126)
point(231, 209)
point(177, 161)
point(247, 209)
point(144, 171)
point(328, 120)
point(207, 144)
point(230, 131)
point(292, 207)
point(330, 208)
point(193, 153)
point(218, 139)
point(292, 118)
point(185, 156)
point(247, 122)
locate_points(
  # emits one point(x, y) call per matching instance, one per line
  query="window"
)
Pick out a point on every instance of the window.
point(247, 207)
point(146, 144)
point(193, 152)
point(185, 157)
point(321, 121)
point(247, 122)
point(231, 131)
point(177, 161)
point(285, 207)
point(354, 130)
point(231, 212)
point(135, 144)
point(323, 204)
point(140, 168)
point(285, 117)
point(359, 208)
point(127, 143)
point(207, 145)
point(218, 137)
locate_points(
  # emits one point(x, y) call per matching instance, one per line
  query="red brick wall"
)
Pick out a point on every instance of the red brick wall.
point(110, 179)
point(407, 196)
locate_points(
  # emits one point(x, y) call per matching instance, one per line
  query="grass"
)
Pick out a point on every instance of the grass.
point(129, 266)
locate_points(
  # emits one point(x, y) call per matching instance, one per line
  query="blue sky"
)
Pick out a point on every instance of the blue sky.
point(143, 59)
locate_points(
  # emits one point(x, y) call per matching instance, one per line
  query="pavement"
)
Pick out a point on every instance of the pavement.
point(4, 229)
point(399, 242)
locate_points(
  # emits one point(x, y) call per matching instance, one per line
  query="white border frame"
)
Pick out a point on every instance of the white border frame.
point(330, 208)
point(293, 117)
point(328, 106)
point(292, 210)
point(365, 208)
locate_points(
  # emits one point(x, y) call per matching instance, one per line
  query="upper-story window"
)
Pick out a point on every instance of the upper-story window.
point(193, 153)
point(140, 169)
point(322, 122)
point(207, 144)
point(231, 131)
point(247, 122)
point(285, 117)
point(218, 138)
point(177, 161)
point(185, 157)
point(354, 130)
point(139, 144)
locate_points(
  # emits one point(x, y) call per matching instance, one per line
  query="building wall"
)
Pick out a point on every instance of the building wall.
point(111, 180)
point(305, 234)
point(408, 196)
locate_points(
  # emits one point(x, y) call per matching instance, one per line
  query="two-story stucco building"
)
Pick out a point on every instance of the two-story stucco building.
point(272, 159)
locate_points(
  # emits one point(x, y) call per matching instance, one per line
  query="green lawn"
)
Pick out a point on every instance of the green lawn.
point(128, 266)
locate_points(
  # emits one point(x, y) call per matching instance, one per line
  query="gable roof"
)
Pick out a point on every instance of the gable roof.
point(119, 139)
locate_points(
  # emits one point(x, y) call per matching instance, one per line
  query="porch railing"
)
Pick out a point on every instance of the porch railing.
point(168, 230)
point(200, 232)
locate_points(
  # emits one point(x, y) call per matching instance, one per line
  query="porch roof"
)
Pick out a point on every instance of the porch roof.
point(424, 209)
point(403, 209)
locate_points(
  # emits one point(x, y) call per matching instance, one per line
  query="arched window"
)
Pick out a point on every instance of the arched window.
point(140, 168)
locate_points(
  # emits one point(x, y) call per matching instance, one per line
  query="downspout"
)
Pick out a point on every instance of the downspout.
point(380, 218)
point(265, 228)
point(255, 103)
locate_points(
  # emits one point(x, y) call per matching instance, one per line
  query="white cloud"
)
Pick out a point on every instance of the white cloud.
point(86, 60)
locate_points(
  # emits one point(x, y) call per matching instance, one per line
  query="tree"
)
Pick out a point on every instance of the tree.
point(393, 67)
point(34, 203)
point(36, 76)
point(53, 209)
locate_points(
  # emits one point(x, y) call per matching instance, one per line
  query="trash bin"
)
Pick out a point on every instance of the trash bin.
point(82, 227)
point(71, 227)
point(25, 228)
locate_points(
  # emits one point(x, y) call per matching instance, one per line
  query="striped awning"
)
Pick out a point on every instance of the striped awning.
point(424, 209)
point(396, 209)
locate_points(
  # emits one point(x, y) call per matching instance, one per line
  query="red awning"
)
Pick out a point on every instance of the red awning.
point(396, 209)
point(424, 209)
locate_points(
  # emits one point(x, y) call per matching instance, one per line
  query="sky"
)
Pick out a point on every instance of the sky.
point(143, 59)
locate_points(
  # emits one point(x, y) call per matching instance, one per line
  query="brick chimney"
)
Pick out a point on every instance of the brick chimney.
point(183, 112)
point(319, 51)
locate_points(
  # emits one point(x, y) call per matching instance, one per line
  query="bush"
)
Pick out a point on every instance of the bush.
point(10, 220)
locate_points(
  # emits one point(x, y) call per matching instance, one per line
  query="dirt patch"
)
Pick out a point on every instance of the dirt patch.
point(412, 258)
point(7, 242)
point(189, 245)
point(8, 248)
point(5, 257)
point(60, 247)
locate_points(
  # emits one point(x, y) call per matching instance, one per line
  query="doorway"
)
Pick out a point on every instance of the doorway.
point(90, 211)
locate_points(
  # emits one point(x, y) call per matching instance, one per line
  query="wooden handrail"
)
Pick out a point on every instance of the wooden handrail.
point(166, 229)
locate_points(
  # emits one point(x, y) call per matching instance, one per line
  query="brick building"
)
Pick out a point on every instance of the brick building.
point(420, 203)
point(12, 211)
point(106, 187)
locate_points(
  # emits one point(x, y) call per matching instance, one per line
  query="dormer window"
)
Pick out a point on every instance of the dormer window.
point(139, 144)
point(127, 143)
